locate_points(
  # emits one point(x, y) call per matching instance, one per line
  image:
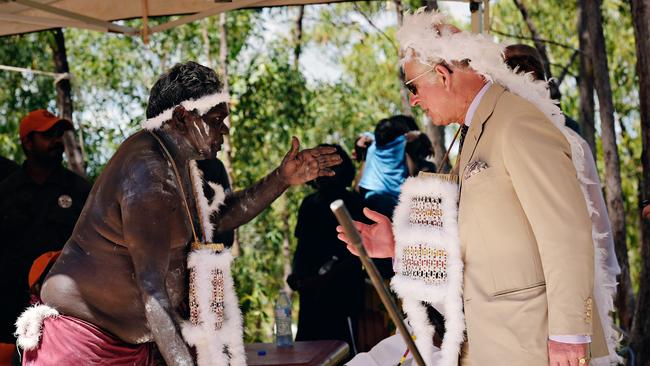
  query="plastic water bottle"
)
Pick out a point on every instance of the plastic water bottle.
point(283, 334)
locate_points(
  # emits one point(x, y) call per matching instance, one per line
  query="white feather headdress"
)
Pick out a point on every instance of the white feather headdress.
point(202, 105)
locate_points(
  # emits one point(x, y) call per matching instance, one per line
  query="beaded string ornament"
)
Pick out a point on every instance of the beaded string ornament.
point(215, 325)
point(428, 266)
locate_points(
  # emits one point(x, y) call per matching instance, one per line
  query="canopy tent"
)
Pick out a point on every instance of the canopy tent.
point(24, 16)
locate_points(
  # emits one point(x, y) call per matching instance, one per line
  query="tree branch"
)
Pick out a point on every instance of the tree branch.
point(565, 70)
point(370, 22)
point(541, 48)
point(516, 36)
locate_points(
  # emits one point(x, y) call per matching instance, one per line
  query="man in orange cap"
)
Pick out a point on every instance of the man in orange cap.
point(41, 201)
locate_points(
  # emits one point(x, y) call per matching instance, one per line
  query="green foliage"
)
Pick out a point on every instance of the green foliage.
point(271, 106)
point(22, 93)
point(273, 101)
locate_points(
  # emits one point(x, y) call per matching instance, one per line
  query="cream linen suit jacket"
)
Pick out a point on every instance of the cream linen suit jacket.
point(525, 237)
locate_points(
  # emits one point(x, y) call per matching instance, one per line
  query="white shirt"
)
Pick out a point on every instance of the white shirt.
point(474, 105)
point(575, 339)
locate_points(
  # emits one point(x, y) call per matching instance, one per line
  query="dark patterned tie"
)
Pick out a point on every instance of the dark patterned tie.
point(463, 133)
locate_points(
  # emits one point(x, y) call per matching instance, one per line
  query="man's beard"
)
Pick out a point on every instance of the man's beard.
point(53, 155)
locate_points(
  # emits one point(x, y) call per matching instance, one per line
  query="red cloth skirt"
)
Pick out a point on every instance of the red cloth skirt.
point(70, 341)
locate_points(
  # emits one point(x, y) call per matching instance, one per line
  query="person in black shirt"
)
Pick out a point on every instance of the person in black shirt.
point(214, 171)
point(39, 206)
point(7, 167)
point(328, 278)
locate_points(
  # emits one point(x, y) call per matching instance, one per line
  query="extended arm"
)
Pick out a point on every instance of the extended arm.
point(296, 168)
point(242, 206)
point(150, 218)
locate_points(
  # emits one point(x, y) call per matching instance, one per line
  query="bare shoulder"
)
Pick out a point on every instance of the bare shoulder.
point(140, 150)
point(140, 169)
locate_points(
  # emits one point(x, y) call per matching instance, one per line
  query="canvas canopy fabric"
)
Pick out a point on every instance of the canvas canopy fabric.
point(24, 16)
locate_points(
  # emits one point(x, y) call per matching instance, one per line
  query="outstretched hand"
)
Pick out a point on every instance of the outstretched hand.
point(377, 238)
point(300, 167)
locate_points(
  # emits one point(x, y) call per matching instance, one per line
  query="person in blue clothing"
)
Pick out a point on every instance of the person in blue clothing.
point(386, 168)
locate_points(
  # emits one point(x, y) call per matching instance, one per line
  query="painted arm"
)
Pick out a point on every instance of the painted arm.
point(297, 167)
point(151, 215)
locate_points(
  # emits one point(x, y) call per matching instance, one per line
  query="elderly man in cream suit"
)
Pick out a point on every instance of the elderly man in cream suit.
point(526, 234)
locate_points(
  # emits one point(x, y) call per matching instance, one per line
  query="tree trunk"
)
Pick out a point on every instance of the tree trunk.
point(64, 103)
point(541, 48)
point(613, 191)
point(437, 136)
point(406, 106)
point(641, 325)
point(298, 37)
point(435, 133)
point(586, 82)
point(286, 230)
point(539, 45)
point(227, 146)
point(223, 61)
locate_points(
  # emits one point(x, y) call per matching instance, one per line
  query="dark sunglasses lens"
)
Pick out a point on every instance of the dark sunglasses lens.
point(412, 89)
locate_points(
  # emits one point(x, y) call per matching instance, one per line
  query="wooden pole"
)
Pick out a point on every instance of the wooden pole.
point(343, 217)
point(145, 21)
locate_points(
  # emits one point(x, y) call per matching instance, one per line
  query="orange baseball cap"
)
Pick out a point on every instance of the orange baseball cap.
point(40, 265)
point(40, 120)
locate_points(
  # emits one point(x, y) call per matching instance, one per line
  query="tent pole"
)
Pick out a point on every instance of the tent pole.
point(145, 22)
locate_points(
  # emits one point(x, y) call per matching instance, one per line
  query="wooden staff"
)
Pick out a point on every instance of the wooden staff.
point(343, 216)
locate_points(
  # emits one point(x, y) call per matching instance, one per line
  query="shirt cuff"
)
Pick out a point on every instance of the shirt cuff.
point(573, 339)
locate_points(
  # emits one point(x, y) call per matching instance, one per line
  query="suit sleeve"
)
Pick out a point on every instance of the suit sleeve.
point(538, 158)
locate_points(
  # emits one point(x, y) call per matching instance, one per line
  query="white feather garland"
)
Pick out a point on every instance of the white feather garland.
point(425, 37)
point(202, 105)
point(446, 297)
point(29, 326)
point(208, 340)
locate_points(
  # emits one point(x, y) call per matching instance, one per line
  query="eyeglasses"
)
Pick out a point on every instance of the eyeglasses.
point(411, 87)
point(414, 89)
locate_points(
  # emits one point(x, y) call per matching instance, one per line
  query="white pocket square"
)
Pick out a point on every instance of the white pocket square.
point(474, 168)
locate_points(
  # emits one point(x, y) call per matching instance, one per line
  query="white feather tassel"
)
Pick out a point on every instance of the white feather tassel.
point(29, 326)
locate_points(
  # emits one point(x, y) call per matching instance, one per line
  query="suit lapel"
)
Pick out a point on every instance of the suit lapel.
point(482, 114)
